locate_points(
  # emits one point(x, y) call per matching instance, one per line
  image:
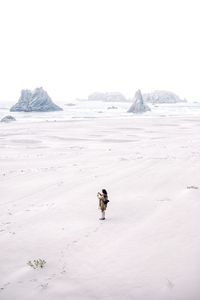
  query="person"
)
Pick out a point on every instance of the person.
point(103, 201)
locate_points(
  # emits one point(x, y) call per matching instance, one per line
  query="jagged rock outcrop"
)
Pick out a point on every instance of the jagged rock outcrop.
point(37, 100)
point(8, 119)
point(107, 97)
point(138, 105)
point(162, 97)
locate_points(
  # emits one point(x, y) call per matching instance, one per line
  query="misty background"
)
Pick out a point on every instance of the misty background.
point(75, 47)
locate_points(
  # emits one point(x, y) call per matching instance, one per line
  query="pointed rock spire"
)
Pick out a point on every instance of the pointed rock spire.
point(138, 105)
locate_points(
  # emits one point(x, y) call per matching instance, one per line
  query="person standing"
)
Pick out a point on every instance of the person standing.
point(103, 201)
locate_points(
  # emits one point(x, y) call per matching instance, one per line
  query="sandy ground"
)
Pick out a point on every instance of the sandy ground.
point(147, 248)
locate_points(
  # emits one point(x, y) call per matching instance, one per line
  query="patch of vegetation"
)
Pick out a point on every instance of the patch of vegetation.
point(37, 263)
point(192, 187)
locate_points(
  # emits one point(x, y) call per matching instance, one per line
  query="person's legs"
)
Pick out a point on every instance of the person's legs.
point(103, 215)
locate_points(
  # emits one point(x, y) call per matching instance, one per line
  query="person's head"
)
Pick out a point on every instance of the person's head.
point(104, 192)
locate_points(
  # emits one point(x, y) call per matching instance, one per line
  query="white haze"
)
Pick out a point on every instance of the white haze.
point(75, 47)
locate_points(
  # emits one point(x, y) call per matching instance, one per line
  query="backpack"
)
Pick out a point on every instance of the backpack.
point(106, 201)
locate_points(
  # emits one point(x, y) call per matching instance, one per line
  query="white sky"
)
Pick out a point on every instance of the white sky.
point(75, 47)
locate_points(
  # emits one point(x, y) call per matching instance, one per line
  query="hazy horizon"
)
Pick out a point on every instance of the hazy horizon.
point(74, 48)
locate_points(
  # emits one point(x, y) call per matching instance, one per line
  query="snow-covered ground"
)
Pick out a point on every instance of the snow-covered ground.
point(147, 248)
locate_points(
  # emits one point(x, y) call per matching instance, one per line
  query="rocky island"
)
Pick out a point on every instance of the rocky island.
point(37, 100)
point(160, 96)
point(107, 97)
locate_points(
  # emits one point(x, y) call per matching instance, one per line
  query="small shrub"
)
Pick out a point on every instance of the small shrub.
point(192, 187)
point(37, 263)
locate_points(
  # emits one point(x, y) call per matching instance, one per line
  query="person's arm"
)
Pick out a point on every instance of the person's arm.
point(100, 196)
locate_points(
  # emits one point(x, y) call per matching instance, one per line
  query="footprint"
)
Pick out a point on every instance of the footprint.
point(164, 199)
point(44, 286)
point(6, 284)
point(33, 280)
point(170, 285)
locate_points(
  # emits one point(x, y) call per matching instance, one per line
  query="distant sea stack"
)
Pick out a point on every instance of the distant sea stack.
point(138, 105)
point(162, 97)
point(107, 97)
point(37, 100)
point(8, 119)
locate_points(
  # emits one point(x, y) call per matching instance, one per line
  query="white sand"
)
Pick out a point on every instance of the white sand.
point(148, 248)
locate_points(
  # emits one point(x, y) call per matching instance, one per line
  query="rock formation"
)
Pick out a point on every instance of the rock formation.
point(37, 100)
point(162, 97)
point(138, 105)
point(107, 97)
point(8, 119)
